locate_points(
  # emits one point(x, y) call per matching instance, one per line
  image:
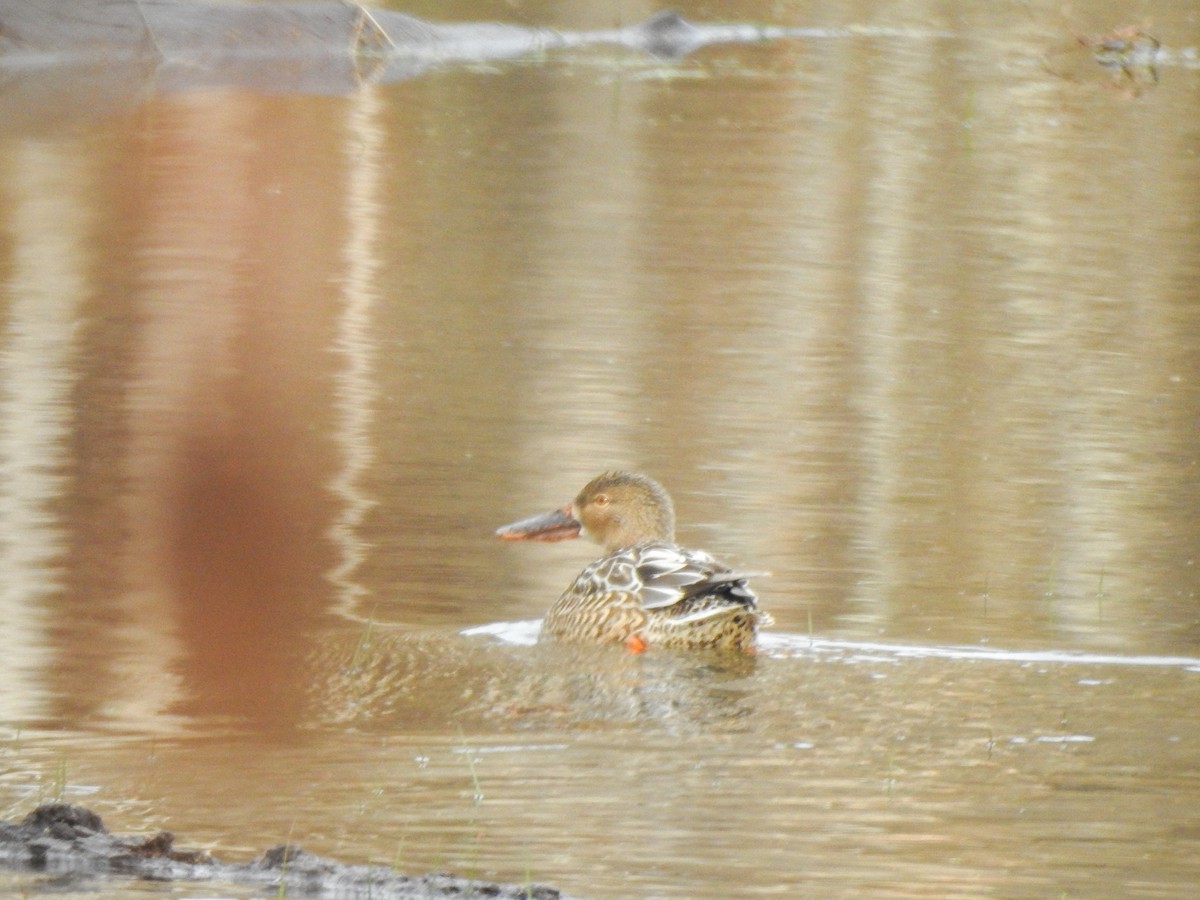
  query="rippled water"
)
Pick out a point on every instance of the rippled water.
point(904, 314)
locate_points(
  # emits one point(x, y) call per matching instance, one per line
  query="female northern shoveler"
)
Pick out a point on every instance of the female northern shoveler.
point(646, 589)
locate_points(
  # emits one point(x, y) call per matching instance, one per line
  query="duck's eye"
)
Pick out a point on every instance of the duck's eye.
point(600, 500)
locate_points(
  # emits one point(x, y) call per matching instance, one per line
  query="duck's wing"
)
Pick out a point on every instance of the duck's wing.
point(670, 575)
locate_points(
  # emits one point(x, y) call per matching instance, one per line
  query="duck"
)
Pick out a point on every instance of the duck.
point(646, 590)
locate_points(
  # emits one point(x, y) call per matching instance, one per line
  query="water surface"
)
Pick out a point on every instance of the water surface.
point(904, 314)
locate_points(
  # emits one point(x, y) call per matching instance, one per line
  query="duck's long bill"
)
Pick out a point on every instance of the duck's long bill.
point(555, 526)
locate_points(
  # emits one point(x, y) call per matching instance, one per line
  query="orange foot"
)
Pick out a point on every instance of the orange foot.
point(636, 643)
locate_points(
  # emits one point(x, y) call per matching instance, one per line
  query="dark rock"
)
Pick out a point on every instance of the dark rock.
point(72, 840)
point(63, 821)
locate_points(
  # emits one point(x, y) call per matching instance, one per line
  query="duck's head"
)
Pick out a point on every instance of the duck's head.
point(616, 509)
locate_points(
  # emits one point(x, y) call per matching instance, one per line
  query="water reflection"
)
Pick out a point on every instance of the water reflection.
point(384, 681)
point(197, 549)
point(229, 373)
point(355, 393)
point(913, 327)
point(47, 285)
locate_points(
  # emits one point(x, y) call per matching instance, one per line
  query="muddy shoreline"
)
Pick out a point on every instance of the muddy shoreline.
point(67, 840)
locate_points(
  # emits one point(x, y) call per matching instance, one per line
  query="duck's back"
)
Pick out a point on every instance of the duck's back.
point(662, 594)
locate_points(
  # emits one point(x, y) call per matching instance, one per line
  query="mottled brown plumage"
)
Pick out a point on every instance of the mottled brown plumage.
point(646, 590)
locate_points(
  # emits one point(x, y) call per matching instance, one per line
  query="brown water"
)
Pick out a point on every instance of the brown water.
point(908, 317)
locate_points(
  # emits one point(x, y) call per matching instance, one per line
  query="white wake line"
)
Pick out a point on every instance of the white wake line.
point(798, 642)
point(524, 633)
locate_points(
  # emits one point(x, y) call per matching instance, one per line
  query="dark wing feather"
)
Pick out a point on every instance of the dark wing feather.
point(671, 575)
